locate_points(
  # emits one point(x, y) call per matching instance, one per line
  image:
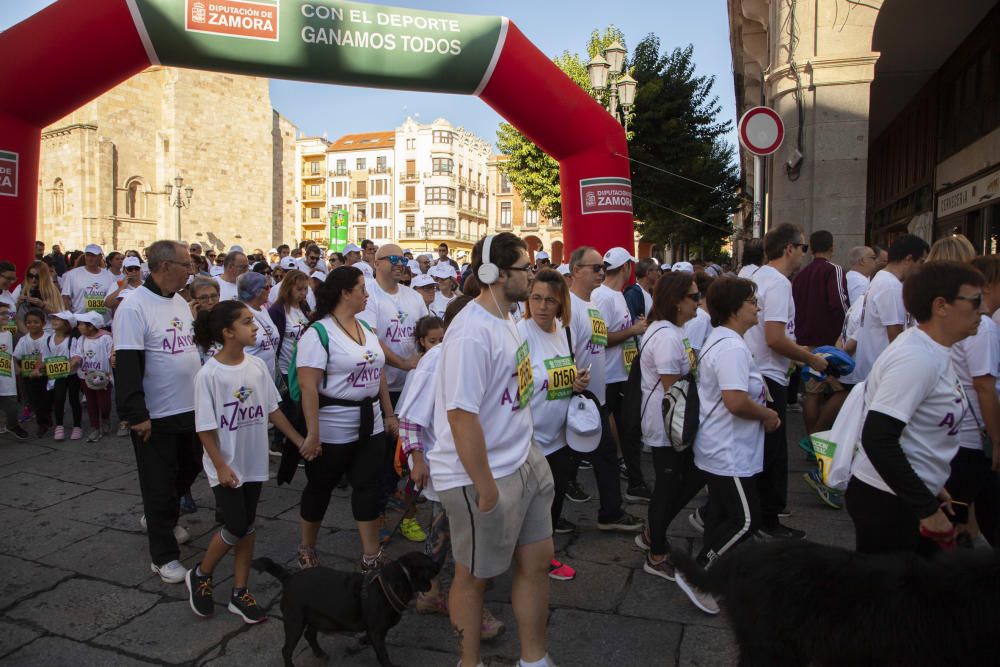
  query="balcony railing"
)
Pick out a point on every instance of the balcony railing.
point(340, 172)
point(441, 174)
point(380, 170)
point(359, 194)
point(409, 177)
point(472, 212)
point(407, 205)
point(309, 173)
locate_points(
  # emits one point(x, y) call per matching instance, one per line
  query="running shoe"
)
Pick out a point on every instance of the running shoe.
point(576, 494)
point(642, 540)
point(375, 564)
point(94, 435)
point(307, 557)
point(663, 569)
point(563, 526)
point(19, 433)
point(170, 573)
point(187, 504)
point(26, 415)
point(76, 433)
point(780, 531)
point(560, 571)
point(696, 521)
point(829, 496)
point(199, 592)
point(492, 626)
point(704, 601)
point(626, 523)
point(59, 434)
point(245, 606)
point(122, 429)
point(411, 530)
point(638, 494)
point(180, 533)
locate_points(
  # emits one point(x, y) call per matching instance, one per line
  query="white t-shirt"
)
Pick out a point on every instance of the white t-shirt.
point(882, 306)
point(235, 401)
point(747, 271)
point(697, 328)
point(481, 357)
point(852, 323)
point(8, 383)
point(974, 357)
point(295, 324)
point(29, 351)
point(353, 373)
point(857, 285)
point(774, 297)
point(647, 300)
point(665, 352)
point(94, 353)
point(7, 297)
point(56, 357)
point(915, 382)
point(728, 445)
point(394, 318)
point(590, 338)
point(366, 269)
point(618, 359)
point(266, 348)
point(440, 304)
point(227, 291)
point(416, 405)
point(554, 373)
point(164, 329)
point(87, 290)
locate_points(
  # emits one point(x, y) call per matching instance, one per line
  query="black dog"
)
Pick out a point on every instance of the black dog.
point(798, 603)
point(323, 600)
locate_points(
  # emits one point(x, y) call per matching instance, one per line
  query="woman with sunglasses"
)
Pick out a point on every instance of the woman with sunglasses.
point(130, 281)
point(38, 291)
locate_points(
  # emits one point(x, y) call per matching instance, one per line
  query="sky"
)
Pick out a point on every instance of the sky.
point(321, 109)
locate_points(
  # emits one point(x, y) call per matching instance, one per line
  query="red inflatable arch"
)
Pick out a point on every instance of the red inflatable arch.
point(74, 50)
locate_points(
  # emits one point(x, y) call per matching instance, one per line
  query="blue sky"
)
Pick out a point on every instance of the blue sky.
point(337, 110)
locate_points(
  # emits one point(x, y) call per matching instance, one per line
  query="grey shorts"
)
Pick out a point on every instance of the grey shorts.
point(484, 542)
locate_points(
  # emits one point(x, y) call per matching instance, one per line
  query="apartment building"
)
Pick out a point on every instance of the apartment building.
point(509, 213)
point(360, 180)
point(442, 180)
point(312, 219)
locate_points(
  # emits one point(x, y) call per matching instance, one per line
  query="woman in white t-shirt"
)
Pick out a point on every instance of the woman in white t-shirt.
point(729, 448)
point(557, 378)
point(235, 398)
point(915, 408)
point(665, 356)
point(345, 401)
point(252, 289)
point(290, 314)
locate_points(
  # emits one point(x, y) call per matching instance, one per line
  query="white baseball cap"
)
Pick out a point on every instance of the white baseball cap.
point(288, 263)
point(91, 317)
point(442, 270)
point(583, 424)
point(617, 257)
point(130, 262)
point(665, 267)
point(564, 269)
point(318, 275)
point(683, 266)
point(93, 249)
point(351, 247)
point(65, 315)
point(413, 266)
point(541, 254)
point(407, 252)
point(422, 280)
point(272, 251)
point(215, 270)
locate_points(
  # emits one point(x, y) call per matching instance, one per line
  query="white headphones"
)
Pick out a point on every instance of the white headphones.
point(488, 272)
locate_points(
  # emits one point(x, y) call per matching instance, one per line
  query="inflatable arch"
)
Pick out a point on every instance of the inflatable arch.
point(74, 50)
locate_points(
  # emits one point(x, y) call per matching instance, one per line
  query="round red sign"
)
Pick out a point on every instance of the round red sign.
point(761, 130)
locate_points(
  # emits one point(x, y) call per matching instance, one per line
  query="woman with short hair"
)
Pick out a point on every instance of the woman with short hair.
point(252, 289)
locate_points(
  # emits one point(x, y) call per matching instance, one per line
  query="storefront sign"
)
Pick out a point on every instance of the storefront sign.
point(606, 195)
point(8, 173)
point(969, 195)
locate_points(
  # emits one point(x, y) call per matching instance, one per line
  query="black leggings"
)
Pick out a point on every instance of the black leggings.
point(239, 509)
point(562, 462)
point(360, 464)
point(678, 480)
point(973, 481)
point(733, 516)
point(68, 387)
point(39, 399)
point(883, 523)
point(772, 482)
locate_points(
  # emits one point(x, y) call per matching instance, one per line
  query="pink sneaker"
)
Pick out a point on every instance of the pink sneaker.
point(59, 434)
point(76, 433)
point(561, 571)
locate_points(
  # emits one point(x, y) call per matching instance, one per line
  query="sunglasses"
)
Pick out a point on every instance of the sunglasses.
point(804, 246)
point(596, 268)
point(976, 301)
point(395, 260)
point(130, 269)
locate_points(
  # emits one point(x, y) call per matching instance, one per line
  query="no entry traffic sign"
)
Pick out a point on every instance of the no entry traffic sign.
point(761, 131)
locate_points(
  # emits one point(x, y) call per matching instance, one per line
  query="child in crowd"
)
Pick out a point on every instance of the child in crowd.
point(28, 354)
point(235, 397)
point(8, 381)
point(92, 355)
point(63, 383)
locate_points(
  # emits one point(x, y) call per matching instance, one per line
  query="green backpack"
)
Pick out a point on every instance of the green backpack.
point(293, 374)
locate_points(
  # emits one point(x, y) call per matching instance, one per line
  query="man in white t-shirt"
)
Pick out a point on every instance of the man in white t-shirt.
point(639, 295)
point(236, 265)
point(622, 349)
point(753, 257)
point(156, 361)
point(883, 315)
point(589, 332)
point(772, 343)
point(495, 486)
point(862, 262)
point(85, 288)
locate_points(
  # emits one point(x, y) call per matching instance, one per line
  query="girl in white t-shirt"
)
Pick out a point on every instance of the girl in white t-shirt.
point(28, 355)
point(665, 357)
point(235, 398)
point(92, 358)
point(8, 377)
point(63, 382)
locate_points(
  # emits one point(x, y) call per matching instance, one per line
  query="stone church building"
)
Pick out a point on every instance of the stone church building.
point(106, 168)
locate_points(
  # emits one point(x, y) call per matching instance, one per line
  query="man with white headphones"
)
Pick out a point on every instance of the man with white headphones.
point(495, 486)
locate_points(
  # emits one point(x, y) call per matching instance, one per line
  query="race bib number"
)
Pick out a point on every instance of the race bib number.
point(562, 375)
point(6, 365)
point(28, 364)
point(95, 303)
point(629, 352)
point(598, 328)
point(11, 326)
point(57, 368)
point(525, 382)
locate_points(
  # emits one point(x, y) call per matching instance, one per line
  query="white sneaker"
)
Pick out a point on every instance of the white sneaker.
point(704, 601)
point(95, 435)
point(171, 573)
point(180, 533)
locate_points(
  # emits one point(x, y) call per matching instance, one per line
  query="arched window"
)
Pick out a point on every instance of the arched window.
point(57, 199)
point(135, 198)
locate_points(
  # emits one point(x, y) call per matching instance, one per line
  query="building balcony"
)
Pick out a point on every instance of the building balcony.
point(309, 175)
point(408, 205)
point(435, 235)
point(409, 177)
point(380, 170)
point(472, 212)
point(441, 175)
point(313, 198)
point(315, 223)
point(357, 194)
point(340, 173)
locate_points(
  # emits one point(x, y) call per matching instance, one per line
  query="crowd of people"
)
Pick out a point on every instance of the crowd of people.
point(485, 387)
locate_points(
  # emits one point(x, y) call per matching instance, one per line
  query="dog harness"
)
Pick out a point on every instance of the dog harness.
point(394, 600)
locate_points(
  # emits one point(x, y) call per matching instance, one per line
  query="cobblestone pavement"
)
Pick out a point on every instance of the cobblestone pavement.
point(77, 589)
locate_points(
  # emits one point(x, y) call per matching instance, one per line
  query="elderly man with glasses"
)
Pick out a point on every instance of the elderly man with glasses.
point(234, 266)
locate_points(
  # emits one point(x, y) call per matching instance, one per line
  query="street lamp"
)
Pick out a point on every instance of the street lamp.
point(606, 73)
point(179, 197)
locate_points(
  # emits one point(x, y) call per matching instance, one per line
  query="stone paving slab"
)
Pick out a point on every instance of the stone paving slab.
point(13, 636)
point(108, 509)
point(59, 651)
point(34, 492)
point(110, 555)
point(588, 639)
point(12, 451)
point(707, 647)
point(24, 578)
point(28, 535)
point(76, 467)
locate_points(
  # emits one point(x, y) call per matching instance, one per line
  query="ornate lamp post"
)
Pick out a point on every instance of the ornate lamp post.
point(179, 197)
point(606, 74)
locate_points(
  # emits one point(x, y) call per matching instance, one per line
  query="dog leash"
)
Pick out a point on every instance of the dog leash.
point(411, 501)
point(390, 595)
